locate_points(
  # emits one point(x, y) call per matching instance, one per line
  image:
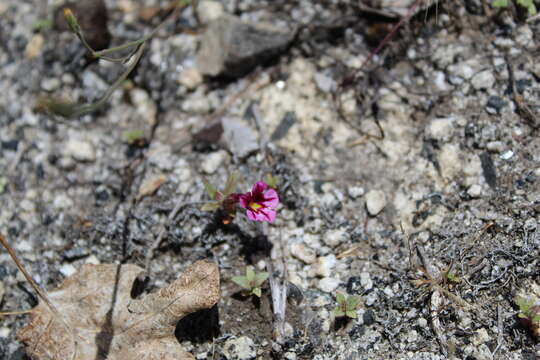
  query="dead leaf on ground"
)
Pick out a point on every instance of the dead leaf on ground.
point(150, 186)
point(109, 324)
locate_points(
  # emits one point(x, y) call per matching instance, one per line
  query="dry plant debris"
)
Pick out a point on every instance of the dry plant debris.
point(107, 323)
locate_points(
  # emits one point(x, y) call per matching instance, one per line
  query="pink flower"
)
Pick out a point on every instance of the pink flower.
point(260, 202)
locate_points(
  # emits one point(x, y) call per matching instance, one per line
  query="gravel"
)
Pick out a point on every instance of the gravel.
point(426, 149)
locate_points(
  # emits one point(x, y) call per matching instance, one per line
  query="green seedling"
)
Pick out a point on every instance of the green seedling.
point(3, 184)
point(42, 25)
point(133, 137)
point(529, 313)
point(272, 180)
point(527, 4)
point(346, 306)
point(225, 200)
point(251, 282)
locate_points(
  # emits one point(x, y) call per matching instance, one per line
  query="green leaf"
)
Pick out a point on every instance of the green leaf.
point(250, 274)
point(499, 3)
point(272, 180)
point(242, 281)
point(3, 184)
point(340, 298)
point(351, 314)
point(230, 185)
point(536, 319)
point(210, 189)
point(353, 302)
point(132, 136)
point(338, 312)
point(211, 206)
point(42, 25)
point(256, 291)
point(261, 278)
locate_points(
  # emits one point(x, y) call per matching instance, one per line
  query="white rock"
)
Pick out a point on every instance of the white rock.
point(239, 348)
point(475, 191)
point(67, 270)
point(483, 80)
point(375, 201)
point(50, 84)
point(190, 78)
point(365, 281)
point(324, 82)
point(80, 150)
point(209, 10)
point(213, 161)
point(324, 265)
point(449, 160)
point(303, 253)
point(440, 129)
point(355, 191)
point(328, 284)
point(334, 237)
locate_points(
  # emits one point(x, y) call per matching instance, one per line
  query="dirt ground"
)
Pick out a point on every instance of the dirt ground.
point(411, 180)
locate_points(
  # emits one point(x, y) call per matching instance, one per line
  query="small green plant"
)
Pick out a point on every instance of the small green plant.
point(346, 306)
point(527, 4)
point(134, 137)
point(251, 282)
point(529, 313)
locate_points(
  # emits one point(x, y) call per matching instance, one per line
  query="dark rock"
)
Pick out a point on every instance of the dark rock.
point(75, 253)
point(284, 126)
point(496, 103)
point(92, 16)
point(369, 318)
point(232, 48)
point(354, 286)
point(10, 145)
point(488, 169)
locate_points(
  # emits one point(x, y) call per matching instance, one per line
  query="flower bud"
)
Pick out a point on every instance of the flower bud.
point(71, 20)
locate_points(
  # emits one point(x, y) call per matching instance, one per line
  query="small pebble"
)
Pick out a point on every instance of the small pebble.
point(302, 252)
point(356, 191)
point(324, 265)
point(213, 161)
point(67, 270)
point(328, 284)
point(80, 150)
point(475, 191)
point(334, 237)
point(375, 201)
point(239, 348)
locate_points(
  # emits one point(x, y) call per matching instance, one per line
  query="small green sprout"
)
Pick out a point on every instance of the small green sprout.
point(3, 184)
point(272, 180)
point(347, 306)
point(226, 199)
point(42, 25)
point(529, 313)
point(251, 282)
point(133, 137)
point(452, 277)
point(527, 4)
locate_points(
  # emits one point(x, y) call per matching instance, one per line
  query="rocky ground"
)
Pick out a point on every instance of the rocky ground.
point(412, 181)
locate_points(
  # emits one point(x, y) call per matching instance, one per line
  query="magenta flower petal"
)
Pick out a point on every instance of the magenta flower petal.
point(244, 200)
point(252, 215)
point(270, 215)
point(258, 188)
point(271, 199)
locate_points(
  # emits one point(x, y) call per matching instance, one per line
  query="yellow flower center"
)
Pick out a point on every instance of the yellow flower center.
point(254, 206)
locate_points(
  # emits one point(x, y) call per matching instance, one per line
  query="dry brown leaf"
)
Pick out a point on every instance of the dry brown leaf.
point(150, 186)
point(109, 324)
